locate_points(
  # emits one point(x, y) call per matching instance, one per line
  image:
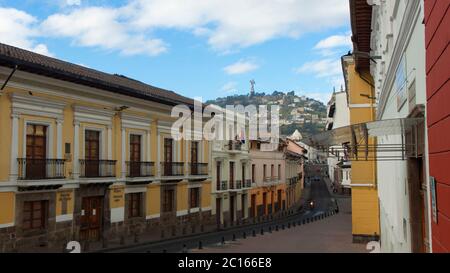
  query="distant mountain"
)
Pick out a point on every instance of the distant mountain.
point(296, 112)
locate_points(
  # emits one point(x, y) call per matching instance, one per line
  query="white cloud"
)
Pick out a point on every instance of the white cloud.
point(320, 96)
point(237, 23)
point(229, 87)
point(321, 68)
point(334, 41)
point(72, 2)
point(104, 28)
point(18, 28)
point(241, 67)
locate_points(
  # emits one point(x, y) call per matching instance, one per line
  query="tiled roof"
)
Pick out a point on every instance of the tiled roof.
point(39, 64)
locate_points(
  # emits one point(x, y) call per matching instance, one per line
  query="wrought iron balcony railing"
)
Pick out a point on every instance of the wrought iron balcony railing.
point(172, 168)
point(198, 168)
point(248, 183)
point(97, 168)
point(223, 186)
point(238, 184)
point(140, 169)
point(234, 145)
point(35, 169)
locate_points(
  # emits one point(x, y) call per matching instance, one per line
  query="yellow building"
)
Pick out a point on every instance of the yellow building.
point(88, 156)
point(365, 207)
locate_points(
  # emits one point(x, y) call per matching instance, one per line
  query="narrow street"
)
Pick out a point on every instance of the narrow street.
point(311, 230)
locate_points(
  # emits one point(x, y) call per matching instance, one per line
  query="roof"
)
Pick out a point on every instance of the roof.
point(361, 22)
point(28, 61)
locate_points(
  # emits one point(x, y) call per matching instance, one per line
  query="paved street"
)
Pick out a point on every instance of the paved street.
point(330, 235)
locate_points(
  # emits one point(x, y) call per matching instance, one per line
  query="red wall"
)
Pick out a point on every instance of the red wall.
point(437, 36)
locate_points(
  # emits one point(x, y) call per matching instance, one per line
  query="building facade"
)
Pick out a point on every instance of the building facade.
point(397, 39)
point(89, 156)
point(365, 207)
point(437, 35)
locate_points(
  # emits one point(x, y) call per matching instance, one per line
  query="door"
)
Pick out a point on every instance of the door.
point(135, 155)
point(253, 202)
point(92, 153)
point(264, 203)
point(218, 211)
point(168, 154)
point(194, 157)
point(279, 200)
point(231, 175)
point(232, 207)
point(36, 151)
point(91, 218)
point(218, 176)
point(243, 205)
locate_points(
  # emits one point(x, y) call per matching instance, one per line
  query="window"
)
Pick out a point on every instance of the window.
point(272, 175)
point(279, 171)
point(243, 173)
point(195, 197)
point(36, 151)
point(264, 171)
point(168, 199)
point(253, 173)
point(134, 205)
point(218, 175)
point(35, 214)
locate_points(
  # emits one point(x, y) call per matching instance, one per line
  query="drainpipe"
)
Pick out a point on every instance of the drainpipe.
point(9, 77)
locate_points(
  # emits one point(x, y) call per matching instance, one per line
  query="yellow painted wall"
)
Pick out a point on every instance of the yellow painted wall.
point(5, 135)
point(60, 197)
point(153, 199)
point(7, 203)
point(365, 208)
point(182, 196)
point(117, 197)
point(206, 194)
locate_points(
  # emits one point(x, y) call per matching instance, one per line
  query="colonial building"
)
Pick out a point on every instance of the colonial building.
point(437, 35)
point(89, 156)
point(397, 41)
point(277, 173)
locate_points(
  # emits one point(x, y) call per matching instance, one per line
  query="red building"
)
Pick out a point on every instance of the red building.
point(437, 26)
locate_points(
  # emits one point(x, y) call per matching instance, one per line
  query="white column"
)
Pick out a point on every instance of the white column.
point(14, 147)
point(158, 155)
point(124, 167)
point(76, 150)
point(149, 144)
point(59, 139)
point(109, 142)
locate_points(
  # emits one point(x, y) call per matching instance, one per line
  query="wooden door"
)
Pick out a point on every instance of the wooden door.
point(135, 155)
point(231, 175)
point(168, 154)
point(36, 151)
point(243, 203)
point(279, 199)
point(218, 175)
point(91, 218)
point(253, 208)
point(232, 207)
point(218, 211)
point(92, 153)
point(265, 203)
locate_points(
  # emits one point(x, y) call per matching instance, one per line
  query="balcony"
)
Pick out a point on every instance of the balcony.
point(234, 145)
point(222, 186)
point(140, 169)
point(38, 169)
point(97, 168)
point(271, 179)
point(238, 184)
point(248, 183)
point(198, 168)
point(172, 168)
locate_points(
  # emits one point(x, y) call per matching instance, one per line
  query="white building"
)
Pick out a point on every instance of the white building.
point(398, 37)
point(338, 114)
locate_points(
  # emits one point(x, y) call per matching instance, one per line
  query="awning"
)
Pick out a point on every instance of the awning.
point(359, 141)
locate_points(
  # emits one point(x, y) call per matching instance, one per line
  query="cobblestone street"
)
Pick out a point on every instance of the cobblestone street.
point(330, 235)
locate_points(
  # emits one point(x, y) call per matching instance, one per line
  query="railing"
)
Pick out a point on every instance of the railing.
point(140, 169)
point(234, 145)
point(35, 169)
point(172, 168)
point(223, 186)
point(248, 183)
point(97, 168)
point(238, 184)
point(198, 168)
point(292, 180)
point(271, 179)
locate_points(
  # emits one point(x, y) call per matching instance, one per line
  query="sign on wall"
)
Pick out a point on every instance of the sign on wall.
point(433, 199)
point(400, 84)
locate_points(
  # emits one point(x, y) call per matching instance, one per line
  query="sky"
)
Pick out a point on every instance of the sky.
point(197, 48)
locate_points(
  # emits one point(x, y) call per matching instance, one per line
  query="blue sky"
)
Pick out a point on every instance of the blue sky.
point(198, 48)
